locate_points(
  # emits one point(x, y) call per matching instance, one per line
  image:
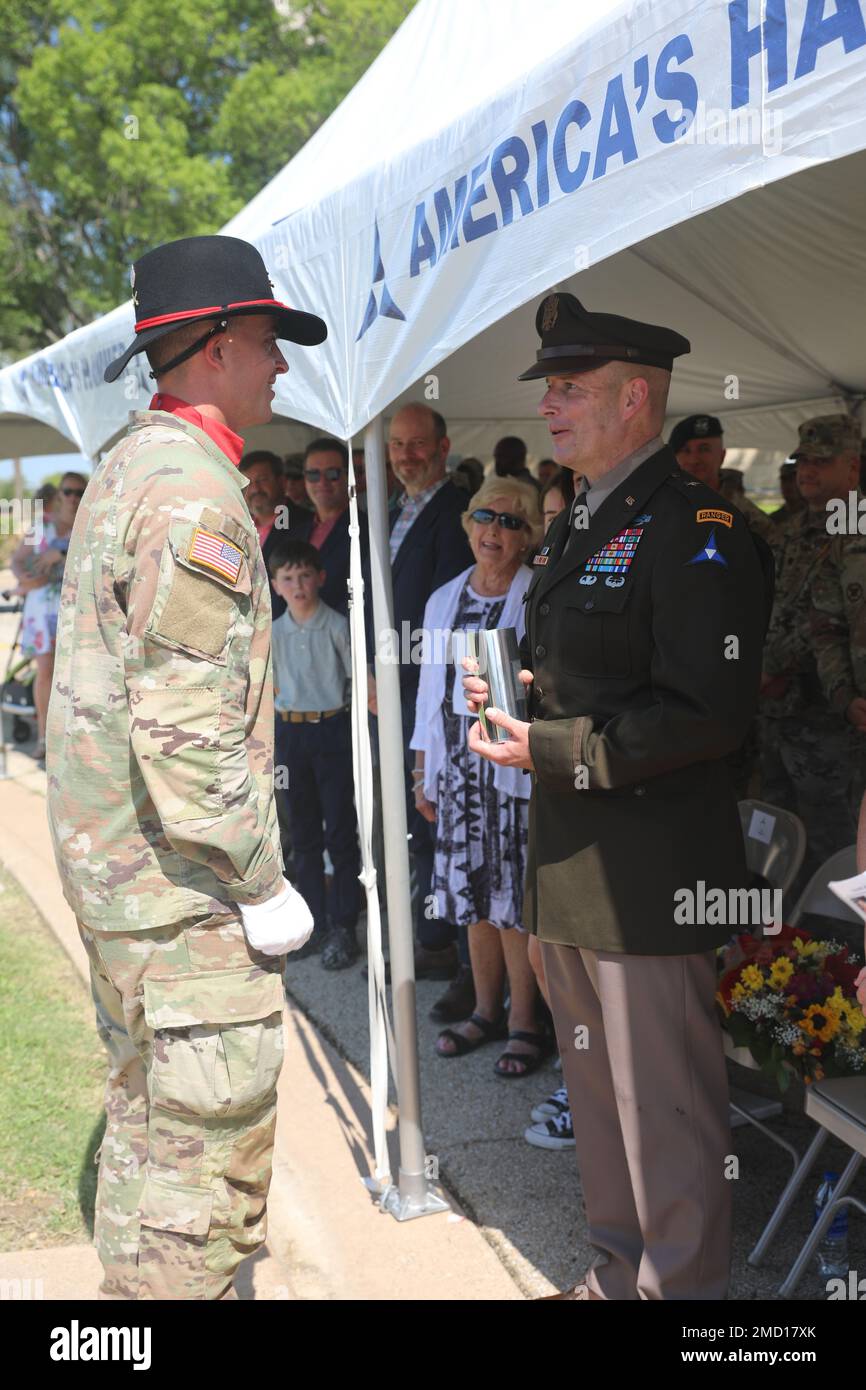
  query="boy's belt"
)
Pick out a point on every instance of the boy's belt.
point(295, 716)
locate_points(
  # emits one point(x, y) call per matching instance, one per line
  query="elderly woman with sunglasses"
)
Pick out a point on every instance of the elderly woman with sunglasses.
point(38, 567)
point(480, 811)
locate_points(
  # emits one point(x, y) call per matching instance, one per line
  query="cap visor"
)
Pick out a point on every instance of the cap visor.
point(566, 366)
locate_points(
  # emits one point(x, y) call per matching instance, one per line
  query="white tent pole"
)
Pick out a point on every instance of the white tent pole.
point(415, 1196)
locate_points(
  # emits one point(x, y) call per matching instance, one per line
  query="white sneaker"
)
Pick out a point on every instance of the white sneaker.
point(555, 1105)
point(555, 1133)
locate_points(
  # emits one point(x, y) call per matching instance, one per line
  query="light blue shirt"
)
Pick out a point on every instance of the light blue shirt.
point(312, 661)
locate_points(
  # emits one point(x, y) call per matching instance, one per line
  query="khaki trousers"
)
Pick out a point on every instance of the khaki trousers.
point(192, 1023)
point(643, 1063)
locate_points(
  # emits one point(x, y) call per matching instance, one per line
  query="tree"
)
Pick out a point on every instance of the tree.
point(124, 126)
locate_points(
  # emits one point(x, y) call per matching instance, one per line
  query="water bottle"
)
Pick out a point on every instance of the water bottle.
point(833, 1250)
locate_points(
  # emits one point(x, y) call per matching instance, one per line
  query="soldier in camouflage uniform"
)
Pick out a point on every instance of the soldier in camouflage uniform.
point(161, 788)
point(838, 620)
point(808, 746)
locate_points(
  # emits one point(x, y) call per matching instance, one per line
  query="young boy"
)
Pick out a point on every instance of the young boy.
point(312, 674)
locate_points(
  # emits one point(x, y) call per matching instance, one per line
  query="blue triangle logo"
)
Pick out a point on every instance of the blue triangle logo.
point(385, 307)
point(709, 553)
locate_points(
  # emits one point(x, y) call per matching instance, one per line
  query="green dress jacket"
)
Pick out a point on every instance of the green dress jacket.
point(645, 638)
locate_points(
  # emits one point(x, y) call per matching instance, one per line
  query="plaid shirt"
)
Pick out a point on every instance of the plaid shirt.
point(410, 509)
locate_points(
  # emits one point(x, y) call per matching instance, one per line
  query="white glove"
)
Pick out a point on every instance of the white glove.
point(280, 925)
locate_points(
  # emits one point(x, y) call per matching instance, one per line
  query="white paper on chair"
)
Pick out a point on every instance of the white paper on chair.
point(852, 891)
point(761, 827)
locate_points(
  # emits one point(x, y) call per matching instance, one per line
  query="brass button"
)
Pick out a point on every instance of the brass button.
point(544, 610)
point(590, 603)
point(640, 791)
point(541, 651)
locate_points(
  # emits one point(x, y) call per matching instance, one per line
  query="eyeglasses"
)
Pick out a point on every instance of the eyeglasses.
point(484, 515)
point(72, 492)
point(315, 474)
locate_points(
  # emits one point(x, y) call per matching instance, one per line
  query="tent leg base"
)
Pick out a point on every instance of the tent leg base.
point(405, 1206)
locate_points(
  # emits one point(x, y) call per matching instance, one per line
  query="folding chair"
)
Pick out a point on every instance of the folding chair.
point(838, 1107)
point(775, 843)
point(816, 896)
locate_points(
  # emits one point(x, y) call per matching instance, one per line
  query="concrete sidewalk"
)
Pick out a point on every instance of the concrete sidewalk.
point(327, 1239)
point(526, 1232)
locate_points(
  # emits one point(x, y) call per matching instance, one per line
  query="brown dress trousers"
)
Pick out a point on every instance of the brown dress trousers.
point(643, 1063)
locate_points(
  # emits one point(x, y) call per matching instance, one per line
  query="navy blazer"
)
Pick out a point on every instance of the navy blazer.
point(335, 556)
point(433, 550)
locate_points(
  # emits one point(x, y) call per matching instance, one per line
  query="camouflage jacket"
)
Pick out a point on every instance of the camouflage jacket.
point(789, 656)
point(161, 724)
point(757, 521)
point(838, 618)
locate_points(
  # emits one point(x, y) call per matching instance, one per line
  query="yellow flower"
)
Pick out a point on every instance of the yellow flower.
point(752, 978)
point(780, 972)
point(811, 948)
point(856, 1019)
point(738, 993)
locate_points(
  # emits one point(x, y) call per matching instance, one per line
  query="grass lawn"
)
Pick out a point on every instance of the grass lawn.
point(53, 1068)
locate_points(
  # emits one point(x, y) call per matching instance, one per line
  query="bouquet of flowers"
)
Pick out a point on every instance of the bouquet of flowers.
point(790, 999)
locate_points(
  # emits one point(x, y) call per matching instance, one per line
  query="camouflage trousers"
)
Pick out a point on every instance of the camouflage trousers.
point(192, 1022)
point(809, 766)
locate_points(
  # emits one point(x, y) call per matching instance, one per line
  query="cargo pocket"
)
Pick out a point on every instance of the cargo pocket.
point(218, 1041)
point(186, 1210)
point(199, 607)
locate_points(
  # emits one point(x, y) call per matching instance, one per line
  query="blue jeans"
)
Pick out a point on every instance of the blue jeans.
point(321, 807)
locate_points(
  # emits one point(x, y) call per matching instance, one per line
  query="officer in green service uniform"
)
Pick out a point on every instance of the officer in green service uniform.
point(161, 782)
point(645, 620)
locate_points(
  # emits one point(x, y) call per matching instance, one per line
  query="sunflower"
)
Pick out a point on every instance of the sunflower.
point(820, 1022)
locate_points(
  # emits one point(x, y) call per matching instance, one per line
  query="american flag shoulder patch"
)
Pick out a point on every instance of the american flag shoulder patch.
point(215, 553)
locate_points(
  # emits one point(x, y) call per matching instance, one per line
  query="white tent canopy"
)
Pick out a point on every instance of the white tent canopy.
point(696, 164)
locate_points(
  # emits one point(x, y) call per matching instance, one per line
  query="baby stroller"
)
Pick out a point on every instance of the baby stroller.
point(17, 710)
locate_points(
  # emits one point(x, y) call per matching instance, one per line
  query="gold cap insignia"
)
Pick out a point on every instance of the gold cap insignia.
point(550, 312)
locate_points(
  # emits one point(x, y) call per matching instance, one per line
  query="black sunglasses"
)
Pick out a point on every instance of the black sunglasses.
point(331, 474)
point(484, 515)
point(72, 492)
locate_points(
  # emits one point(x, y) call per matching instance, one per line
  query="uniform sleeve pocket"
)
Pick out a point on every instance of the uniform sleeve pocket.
point(200, 599)
point(175, 738)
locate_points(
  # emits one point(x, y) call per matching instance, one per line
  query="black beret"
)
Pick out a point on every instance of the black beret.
point(574, 340)
point(694, 427)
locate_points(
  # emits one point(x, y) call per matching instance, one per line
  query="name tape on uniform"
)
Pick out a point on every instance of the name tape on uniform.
point(215, 553)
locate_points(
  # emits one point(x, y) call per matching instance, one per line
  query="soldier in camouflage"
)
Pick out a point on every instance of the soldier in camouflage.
point(161, 788)
point(808, 745)
point(838, 619)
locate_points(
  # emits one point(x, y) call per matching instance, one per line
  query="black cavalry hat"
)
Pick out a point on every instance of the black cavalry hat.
point(206, 277)
point(574, 340)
